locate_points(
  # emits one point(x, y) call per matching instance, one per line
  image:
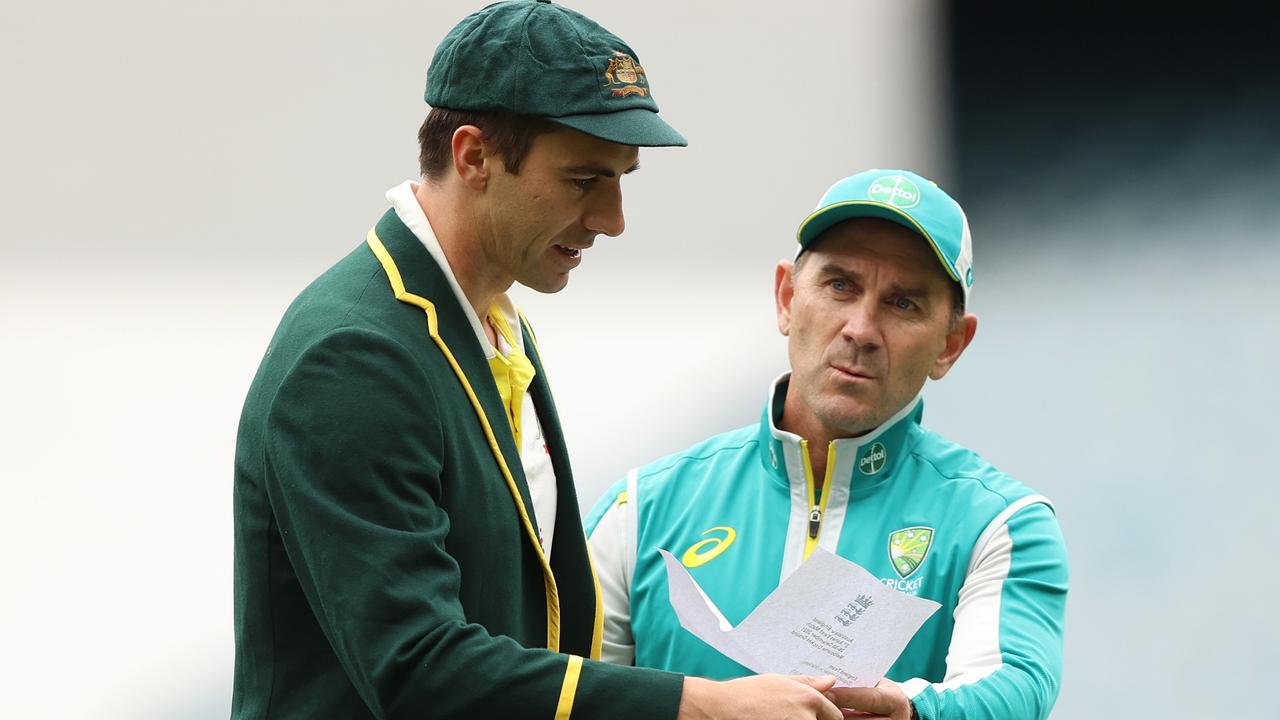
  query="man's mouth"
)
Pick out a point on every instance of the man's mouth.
point(569, 251)
point(854, 372)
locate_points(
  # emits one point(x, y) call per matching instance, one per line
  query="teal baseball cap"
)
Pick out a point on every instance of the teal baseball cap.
point(533, 57)
point(908, 199)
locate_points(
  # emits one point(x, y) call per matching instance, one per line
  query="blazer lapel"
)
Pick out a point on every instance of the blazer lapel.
point(582, 612)
point(424, 278)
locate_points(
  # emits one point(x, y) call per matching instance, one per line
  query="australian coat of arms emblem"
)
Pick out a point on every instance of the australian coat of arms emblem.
point(624, 76)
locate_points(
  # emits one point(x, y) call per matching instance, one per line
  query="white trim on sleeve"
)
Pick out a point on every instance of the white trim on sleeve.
point(997, 523)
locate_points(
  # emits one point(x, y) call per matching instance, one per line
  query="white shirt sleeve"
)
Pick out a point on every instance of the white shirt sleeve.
point(610, 545)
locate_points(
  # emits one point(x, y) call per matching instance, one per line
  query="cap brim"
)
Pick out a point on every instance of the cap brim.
point(635, 126)
point(821, 220)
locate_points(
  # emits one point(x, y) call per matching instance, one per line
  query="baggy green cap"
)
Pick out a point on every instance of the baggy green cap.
point(533, 57)
point(908, 199)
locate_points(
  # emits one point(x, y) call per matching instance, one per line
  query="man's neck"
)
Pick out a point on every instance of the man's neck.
point(460, 237)
point(797, 421)
point(815, 438)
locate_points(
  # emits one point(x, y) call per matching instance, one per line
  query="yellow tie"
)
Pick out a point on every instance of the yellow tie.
point(512, 373)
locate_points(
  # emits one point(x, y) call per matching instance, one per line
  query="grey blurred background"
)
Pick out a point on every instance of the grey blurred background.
point(173, 174)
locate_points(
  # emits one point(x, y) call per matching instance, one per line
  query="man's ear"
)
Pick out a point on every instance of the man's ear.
point(958, 339)
point(469, 157)
point(783, 291)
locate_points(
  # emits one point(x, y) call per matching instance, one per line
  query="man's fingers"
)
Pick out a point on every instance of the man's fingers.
point(828, 711)
point(821, 683)
point(868, 700)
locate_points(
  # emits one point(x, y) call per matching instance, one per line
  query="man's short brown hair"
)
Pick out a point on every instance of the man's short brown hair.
point(510, 134)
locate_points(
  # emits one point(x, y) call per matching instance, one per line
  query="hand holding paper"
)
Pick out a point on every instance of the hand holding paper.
point(831, 617)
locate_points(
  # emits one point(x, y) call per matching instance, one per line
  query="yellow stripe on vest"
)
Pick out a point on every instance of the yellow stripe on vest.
point(817, 501)
point(548, 579)
point(570, 688)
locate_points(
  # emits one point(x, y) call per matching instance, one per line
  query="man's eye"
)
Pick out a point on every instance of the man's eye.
point(839, 285)
point(903, 304)
point(584, 183)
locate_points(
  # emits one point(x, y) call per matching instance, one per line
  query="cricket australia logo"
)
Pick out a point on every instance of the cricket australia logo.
point(907, 548)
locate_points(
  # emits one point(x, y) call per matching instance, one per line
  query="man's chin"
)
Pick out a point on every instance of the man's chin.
point(848, 420)
point(548, 286)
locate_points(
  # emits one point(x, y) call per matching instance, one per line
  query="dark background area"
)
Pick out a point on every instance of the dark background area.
point(1120, 167)
point(1131, 92)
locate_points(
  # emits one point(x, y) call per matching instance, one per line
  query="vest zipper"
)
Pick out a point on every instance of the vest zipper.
point(817, 498)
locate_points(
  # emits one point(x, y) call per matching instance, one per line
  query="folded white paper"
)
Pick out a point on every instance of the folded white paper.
point(831, 617)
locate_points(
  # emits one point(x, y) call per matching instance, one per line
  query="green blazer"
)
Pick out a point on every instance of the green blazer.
point(387, 562)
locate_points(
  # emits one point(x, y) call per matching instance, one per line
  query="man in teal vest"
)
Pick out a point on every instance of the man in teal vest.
point(873, 304)
point(408, 542)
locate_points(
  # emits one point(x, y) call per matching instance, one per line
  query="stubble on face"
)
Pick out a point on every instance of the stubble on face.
point(868, 313)
point(541, 221)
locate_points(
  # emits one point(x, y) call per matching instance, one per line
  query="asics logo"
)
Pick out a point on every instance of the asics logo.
point(704, 551)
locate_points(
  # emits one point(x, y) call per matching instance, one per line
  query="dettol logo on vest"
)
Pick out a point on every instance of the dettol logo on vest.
point(873, 461)
point(894, 190)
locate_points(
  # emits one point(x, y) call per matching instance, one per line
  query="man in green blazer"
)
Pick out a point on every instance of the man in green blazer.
point(408, 541)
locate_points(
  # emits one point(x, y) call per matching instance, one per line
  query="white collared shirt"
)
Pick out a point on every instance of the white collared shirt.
point(534, 455)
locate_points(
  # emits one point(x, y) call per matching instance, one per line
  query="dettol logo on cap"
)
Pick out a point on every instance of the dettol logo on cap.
point(895, 190)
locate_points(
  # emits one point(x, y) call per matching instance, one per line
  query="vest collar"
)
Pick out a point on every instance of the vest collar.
point(864, 462)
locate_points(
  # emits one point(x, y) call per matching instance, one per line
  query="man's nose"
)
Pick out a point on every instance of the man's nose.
point(862, 322)
point(604, 214)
